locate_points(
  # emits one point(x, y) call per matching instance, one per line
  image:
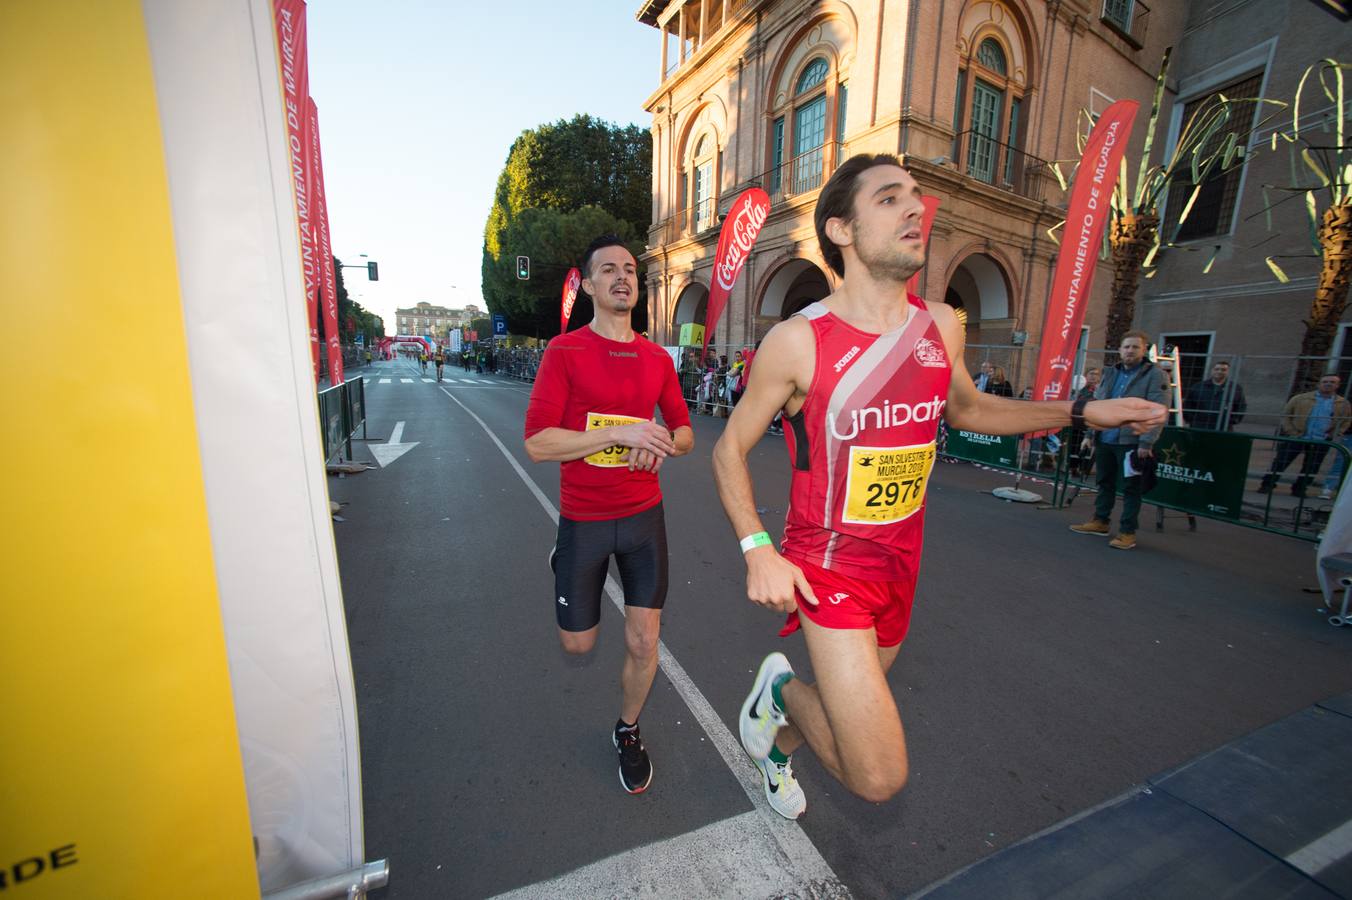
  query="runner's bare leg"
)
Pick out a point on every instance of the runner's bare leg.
point(641, 630)
point(849, 717)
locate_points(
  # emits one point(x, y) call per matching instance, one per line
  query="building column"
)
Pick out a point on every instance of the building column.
point(666, 39)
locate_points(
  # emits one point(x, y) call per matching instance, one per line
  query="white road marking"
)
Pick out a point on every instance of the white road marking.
point(795, 856)
point(725, 859)
point(429, 381)
point(384, 381)
point(405, 380)
point(391, 450)
point(1323, 852)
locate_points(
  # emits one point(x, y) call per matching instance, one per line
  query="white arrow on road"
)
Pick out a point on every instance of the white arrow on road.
point(391, 450)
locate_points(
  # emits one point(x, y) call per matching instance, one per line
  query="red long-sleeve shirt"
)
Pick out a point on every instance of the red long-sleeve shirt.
point(586, 379)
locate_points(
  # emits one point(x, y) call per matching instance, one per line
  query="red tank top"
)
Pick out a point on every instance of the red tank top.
point(863, 445)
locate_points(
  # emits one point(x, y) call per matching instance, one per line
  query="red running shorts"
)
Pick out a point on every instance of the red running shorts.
point(844, 602)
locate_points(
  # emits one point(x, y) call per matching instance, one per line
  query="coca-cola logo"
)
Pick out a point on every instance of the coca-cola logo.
point(739, 236)
point(570, 286)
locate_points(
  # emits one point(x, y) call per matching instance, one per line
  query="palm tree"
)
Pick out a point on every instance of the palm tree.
point(1330, 164)
point(1134, 238)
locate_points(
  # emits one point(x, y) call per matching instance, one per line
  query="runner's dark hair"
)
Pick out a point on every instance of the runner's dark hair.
point(605, 240)
point(836, 201)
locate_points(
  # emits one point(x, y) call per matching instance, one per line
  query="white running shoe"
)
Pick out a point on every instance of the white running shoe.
point(781, 788)
point(761, 719)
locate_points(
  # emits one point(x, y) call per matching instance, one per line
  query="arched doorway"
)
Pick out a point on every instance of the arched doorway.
point(979, 286)
point(793, 286)
point(691, 305)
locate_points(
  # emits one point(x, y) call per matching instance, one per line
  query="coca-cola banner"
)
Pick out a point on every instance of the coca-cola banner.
point(328, 282)
point(926, 223)
point(570, 286)
point(1086, 217)
point(743, 224)
point(289, 19)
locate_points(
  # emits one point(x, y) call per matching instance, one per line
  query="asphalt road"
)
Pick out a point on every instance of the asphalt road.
point(1044, 674)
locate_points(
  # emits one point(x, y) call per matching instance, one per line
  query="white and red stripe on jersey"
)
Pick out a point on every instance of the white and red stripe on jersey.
point(863, 444)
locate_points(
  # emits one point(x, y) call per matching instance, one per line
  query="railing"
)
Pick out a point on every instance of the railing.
point(1129, 18)
point(803, 174)
point(1207, 474)
point(1000, 165)
point(342, 409)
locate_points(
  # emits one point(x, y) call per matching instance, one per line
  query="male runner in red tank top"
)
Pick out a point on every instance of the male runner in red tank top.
point(862, 378)
point(591, 409)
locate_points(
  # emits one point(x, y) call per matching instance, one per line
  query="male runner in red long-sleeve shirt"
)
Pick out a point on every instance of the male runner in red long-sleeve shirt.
point(591, 409)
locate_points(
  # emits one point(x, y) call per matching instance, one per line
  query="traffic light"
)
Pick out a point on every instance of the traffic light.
point(372, 272)
point(523, 268)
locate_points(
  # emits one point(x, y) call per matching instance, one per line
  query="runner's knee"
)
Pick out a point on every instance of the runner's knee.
point(641, 643)
point(577, 642)
point(879, 783)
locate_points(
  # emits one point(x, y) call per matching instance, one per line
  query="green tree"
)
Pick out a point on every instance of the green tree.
point(563, 184)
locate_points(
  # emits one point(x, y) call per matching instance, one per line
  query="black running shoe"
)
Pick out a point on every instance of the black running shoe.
point(636, 771)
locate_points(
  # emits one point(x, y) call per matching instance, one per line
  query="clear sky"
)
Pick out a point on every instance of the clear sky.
point(419, 103)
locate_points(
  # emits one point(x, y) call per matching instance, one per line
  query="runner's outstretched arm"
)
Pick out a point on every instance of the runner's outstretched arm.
point(971, 410)
point(770, 579)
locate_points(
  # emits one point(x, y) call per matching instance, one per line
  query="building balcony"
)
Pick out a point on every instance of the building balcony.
point(1129, 18)
point(1001, 166)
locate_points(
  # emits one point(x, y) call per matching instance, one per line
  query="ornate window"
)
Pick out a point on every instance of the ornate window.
point(988, 118)
point(802, 128)
point(703, 181)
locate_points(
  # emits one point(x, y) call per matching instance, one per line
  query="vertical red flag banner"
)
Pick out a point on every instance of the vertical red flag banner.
point(289, 20)
point(745, 219)
point(328, 282)
point(926, 223)
point(570, 286)
point(1086, 217)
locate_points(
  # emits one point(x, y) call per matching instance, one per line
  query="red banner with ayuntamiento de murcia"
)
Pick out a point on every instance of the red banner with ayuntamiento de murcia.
point(289, 21)
point(1086, 217)
point(328, 282)
point(570, 286)
point(745, 218)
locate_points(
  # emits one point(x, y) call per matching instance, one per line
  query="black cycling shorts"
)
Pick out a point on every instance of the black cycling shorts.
point(582, 558)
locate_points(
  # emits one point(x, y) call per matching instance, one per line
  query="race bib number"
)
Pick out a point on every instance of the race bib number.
point(613, 455)
point(886, 484)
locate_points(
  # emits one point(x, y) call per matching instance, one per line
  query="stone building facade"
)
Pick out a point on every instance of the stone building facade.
point(976, 95)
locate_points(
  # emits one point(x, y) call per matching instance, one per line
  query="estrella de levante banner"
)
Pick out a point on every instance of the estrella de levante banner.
point(745, 219)
point(289, 20)
point(328, 282)
point(570, 286)
point(1087, 216)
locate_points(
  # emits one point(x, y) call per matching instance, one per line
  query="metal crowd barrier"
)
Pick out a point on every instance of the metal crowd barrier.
point(1207, 474)
point(342, 410)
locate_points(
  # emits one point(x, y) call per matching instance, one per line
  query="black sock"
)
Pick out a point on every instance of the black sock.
point(621, 725)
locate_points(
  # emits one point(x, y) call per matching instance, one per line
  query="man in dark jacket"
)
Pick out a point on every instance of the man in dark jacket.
point(1206, 399)
point(1134, 376)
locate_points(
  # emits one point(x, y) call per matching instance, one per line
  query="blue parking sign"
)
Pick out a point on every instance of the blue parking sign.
point(499, 325)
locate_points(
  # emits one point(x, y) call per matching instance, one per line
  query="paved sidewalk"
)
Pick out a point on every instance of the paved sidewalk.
point(1267, 815)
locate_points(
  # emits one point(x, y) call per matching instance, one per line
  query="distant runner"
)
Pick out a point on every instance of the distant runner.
point(440, 361)
point(863, 378)
point(591, 409)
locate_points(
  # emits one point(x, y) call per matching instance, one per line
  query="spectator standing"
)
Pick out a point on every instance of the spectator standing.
point(983, 377)
point(1092, 377)
point(999, 384)
point(1205, 403)
point(1134, 376)
point(1318, 415)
